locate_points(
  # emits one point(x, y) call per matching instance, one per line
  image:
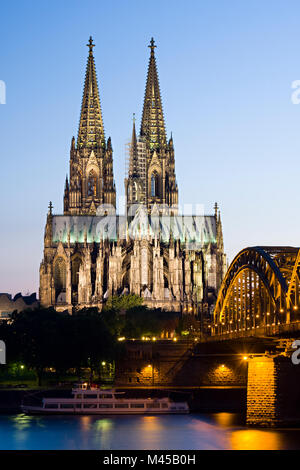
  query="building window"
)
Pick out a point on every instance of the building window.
point(154, 184)
point(76, 262)
point(92, 184)
point(60, 278)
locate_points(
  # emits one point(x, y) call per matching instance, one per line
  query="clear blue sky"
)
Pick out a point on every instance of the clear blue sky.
point(225, 68)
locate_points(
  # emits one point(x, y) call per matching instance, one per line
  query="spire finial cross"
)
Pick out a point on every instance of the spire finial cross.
point(152, 45)
point(90, 44)
point(216, 209)
point(50, 207)
point(133, 118)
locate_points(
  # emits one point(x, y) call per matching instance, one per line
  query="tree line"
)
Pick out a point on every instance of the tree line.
point(44, 338)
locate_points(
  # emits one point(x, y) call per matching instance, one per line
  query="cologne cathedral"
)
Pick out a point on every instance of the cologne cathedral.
point(175, 262)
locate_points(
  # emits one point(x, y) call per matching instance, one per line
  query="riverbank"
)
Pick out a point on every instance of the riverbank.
point(200, 399)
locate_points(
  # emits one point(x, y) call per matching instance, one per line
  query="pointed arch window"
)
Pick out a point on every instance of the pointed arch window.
point(136, 192)
point(60, 277)
point(75, 265)
point(154, 184)
point(92, 184)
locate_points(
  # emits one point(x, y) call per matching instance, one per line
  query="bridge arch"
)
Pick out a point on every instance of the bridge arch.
point(259, 289)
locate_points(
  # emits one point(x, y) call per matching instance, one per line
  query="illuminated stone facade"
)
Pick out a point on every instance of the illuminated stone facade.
point(173, 261)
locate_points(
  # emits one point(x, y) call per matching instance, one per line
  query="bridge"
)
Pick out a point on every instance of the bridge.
point(260, 294)
point(259, 300)
point(255, 321)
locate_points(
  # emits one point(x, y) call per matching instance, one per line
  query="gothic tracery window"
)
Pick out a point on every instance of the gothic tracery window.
point(92, 184)
point(76, 262)
point(154, 184)
point(136, 192)
point(59, 276)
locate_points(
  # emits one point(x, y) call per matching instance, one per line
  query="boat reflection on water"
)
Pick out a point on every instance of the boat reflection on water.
point(161, 432)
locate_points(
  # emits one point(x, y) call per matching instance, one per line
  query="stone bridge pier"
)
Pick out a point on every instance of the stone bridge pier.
point(273, 391)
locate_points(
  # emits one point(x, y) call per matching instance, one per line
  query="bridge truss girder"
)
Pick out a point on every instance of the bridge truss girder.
point(261, 288)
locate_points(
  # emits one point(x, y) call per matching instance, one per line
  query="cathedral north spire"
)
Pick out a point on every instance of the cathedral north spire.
point(91, 129)
point(153, 126)
point(91, 181)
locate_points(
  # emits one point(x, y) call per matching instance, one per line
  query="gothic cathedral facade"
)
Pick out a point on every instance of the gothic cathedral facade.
point(175, 262)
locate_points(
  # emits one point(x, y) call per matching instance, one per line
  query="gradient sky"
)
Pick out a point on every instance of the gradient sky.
point(225, 68)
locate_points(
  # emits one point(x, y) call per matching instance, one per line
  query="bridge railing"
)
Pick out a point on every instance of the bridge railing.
point(272, 330)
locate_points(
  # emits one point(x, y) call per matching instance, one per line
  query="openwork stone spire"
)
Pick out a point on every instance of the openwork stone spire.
point(133, 165)
point(153, 126)
point(91, 130)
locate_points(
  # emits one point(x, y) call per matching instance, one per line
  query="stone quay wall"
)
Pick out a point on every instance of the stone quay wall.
point(167, 363)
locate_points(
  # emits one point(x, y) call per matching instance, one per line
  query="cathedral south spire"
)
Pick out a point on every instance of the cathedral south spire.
point(91, 130)
point(156, 183)
point(153, 126)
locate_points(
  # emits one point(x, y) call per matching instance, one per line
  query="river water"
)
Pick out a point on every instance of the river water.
point(166, 432)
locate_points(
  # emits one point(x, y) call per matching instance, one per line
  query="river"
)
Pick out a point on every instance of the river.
point(167, 432)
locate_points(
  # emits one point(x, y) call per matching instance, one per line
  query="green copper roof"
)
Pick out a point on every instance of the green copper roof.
point(200, 230)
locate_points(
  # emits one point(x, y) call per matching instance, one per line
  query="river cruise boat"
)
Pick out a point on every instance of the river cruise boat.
point(93, 400)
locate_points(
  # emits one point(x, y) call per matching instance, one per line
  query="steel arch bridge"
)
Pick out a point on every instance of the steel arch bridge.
point(261, 289)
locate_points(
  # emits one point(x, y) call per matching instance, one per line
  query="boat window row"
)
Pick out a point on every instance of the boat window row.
point(92, 395)
point(104, 405)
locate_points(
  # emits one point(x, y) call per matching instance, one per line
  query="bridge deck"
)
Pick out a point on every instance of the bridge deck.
point(266, 331)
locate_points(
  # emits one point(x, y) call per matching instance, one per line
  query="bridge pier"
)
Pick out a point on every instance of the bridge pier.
point(273, 391)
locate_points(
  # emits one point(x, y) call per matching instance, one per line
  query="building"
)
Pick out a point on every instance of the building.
point(175, 262)
point(20, 302)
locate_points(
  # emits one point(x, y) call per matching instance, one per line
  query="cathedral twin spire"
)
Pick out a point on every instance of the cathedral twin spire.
point(91, 130)
point(91, 169)
point(91, 164)
point(153, 126)
point(155, 182)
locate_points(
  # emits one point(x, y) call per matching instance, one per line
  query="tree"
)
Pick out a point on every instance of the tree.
point(142, 321)
point(44, 338)
point(93, 341)
point(35, 335)
point(114, 321)
point(187, 325)
point(122, 303)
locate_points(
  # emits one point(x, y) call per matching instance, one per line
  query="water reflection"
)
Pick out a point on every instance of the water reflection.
point(225, 419)
point(194, 431)
point(21, 421)
point(253, 439)
point(103, 433)
point(85, 423)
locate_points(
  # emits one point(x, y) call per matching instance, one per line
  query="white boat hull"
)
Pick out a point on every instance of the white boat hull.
point(33, 410)
point(95, 401)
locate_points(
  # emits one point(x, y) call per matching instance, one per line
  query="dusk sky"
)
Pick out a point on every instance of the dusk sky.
point(226, 70)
